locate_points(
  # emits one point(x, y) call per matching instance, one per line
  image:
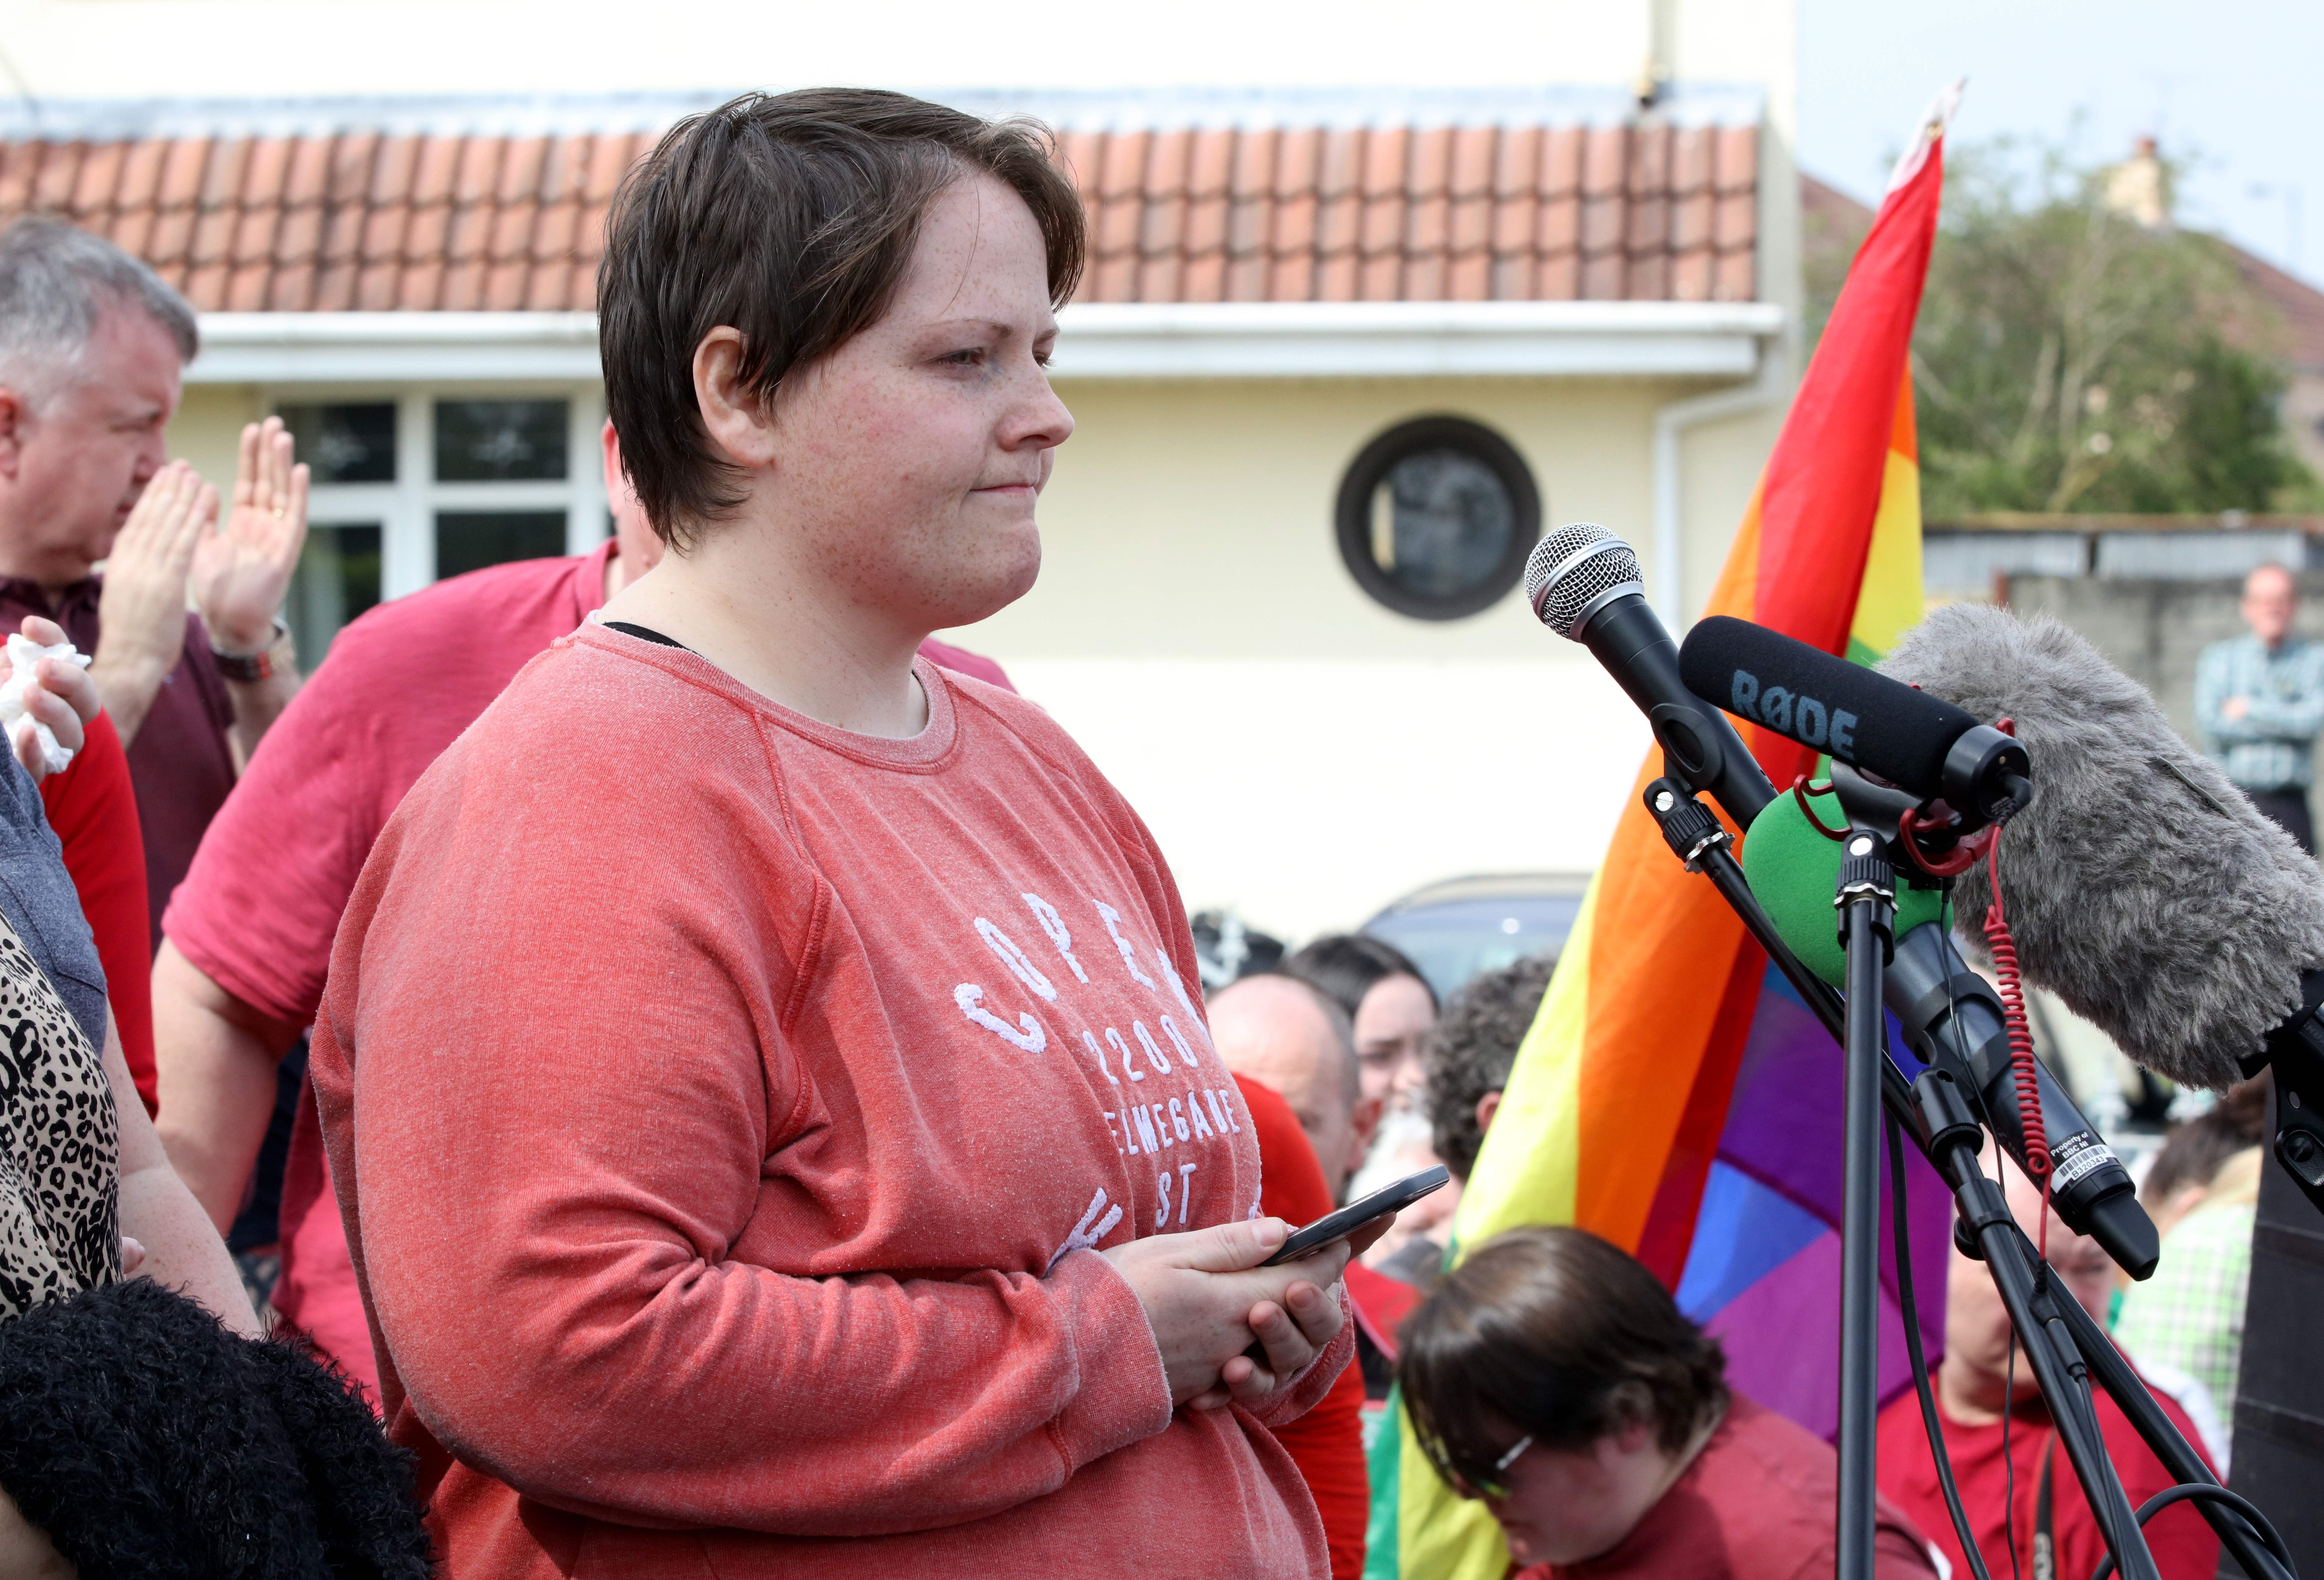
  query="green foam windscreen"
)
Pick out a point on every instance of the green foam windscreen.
point(1793, 871)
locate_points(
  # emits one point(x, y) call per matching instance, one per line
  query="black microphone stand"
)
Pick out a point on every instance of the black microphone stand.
point(2066, 1350)
point(1865, 899)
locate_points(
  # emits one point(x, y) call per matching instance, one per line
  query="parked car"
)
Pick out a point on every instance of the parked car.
point(1458, 927)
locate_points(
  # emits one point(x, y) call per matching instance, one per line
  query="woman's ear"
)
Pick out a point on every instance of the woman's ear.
point(737, 420)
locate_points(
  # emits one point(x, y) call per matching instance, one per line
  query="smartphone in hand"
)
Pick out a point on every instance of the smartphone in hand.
point(1340, 1224)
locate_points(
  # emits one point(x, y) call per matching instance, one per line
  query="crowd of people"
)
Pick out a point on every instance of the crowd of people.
point(826, 1158)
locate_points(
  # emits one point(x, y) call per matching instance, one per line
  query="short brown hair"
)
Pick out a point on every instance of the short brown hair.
point(1555, 1333)
point(791, 218)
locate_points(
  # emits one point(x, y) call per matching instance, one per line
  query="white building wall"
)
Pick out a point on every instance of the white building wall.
point(1301, 754)
point(130, 49)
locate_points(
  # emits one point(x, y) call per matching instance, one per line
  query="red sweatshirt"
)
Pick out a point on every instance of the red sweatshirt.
point(724, 1108)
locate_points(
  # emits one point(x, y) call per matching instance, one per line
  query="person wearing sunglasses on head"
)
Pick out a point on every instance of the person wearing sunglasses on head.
point(1552, 1375)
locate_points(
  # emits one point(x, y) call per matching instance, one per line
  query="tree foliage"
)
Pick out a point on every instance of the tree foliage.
point(2068, 358)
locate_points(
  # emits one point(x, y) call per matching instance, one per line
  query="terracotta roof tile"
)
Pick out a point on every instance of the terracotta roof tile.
point(298, 239)
point(1693, 210)
point(1162, 233)
point(20, 166)
point(218, 213)
point(1288, 247)
point(1117, 203)
point(1557, 223)
point(1383, 223)
point(100, 178)
point(250, 254)
point(1693, 275)
point(1735, 224)
point(347, 161)
point(1428, 220)
point(556, 237)
point(60, 173)
point(1339, 215)
point(1469, 215)
point(364, 220)
point(610, 159)
point(1209, 184)
point(183, 164)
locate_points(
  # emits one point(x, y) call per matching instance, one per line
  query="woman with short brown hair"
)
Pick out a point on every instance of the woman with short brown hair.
point(774, 1129)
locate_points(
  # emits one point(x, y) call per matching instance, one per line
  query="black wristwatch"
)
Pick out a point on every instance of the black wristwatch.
point(251, 667)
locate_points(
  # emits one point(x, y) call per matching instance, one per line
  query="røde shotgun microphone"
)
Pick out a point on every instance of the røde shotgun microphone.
point(2143, 889)
point(1585, 584)
point(1915, 742)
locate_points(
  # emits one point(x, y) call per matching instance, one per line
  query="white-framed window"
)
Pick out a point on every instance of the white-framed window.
point(411, 485)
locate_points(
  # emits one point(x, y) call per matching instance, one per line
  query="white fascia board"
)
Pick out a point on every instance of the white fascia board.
point(400, 347)
point(1209, 340)
point(1568, 339)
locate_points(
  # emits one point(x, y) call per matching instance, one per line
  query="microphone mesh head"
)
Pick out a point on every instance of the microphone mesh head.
point(1572, 570)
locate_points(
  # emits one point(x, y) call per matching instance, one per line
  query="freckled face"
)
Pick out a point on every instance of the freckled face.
point(911, 460)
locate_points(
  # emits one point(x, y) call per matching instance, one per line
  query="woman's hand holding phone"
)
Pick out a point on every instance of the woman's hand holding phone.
point(1207, 1298)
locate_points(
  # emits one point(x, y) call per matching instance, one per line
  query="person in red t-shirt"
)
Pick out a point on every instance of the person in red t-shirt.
point(2031, 1496)
point(92, 806)
point(247, 937)
point(1327, 1443)
point(1552, 1375)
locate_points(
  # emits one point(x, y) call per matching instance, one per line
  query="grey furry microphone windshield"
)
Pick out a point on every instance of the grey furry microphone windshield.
point(2143, 888)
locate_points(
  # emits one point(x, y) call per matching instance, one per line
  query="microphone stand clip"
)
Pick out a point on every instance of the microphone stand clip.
point(2295, 1050)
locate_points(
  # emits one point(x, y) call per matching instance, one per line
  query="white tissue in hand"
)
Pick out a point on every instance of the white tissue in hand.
point(25, 656)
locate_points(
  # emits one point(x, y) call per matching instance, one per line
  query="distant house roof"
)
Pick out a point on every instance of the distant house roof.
point(1832, 224)
point(1290, 197)
point(2300, 304)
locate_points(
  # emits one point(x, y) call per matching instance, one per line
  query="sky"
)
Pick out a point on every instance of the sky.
point(2230, 85)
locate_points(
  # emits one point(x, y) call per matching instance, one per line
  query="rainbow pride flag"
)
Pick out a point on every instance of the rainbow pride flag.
point(1674, 1095)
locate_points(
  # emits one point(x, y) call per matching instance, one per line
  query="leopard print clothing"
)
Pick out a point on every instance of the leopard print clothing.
point(59, 1145)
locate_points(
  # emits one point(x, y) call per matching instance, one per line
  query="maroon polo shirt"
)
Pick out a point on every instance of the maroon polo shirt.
point(180, 764)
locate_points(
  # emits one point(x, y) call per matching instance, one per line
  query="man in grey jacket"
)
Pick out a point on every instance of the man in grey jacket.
point(2259, 702)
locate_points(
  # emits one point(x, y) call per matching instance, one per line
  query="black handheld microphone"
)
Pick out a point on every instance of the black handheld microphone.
point(1919, 744)
point(1585, 584)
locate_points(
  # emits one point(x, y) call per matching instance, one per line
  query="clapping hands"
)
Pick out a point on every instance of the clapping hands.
point(141, 615)
point(240, 572)
point(172, 544)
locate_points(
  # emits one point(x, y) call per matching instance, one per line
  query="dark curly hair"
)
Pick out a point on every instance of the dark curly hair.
point(1555, 1333)
point(147, 1440)
point(1471, 1049)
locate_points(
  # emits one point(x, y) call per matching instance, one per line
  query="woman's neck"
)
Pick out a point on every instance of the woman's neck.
point(763, 623)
